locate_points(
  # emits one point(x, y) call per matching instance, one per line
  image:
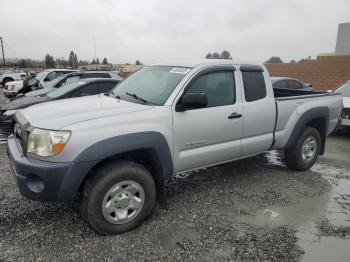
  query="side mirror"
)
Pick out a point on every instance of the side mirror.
point(46, 79)
point(192, 101)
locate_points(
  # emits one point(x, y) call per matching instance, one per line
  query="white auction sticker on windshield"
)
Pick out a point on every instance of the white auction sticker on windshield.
point(179, 70)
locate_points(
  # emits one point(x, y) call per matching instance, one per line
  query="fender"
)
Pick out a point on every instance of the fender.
point(114, 146)
point(307, 116)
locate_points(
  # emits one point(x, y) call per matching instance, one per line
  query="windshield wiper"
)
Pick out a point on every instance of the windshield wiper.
point(137, 97)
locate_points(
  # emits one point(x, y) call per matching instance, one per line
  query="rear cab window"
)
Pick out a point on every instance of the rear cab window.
point(254, 83)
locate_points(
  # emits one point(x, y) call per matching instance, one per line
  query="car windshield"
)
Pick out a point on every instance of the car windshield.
point(41, 75)
point(344, 89)
point(152, 84)
point(64, 89)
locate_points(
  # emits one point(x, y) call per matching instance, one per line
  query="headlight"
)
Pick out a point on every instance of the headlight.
point(47, 142)
point(10, 112)
point(11, 87)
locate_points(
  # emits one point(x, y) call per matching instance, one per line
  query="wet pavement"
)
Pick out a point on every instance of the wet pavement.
point(250, 210)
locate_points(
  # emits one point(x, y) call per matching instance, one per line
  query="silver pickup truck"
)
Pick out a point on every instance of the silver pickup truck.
point(117, 150)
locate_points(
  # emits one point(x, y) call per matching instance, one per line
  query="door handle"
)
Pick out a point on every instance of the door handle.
point(234, 115)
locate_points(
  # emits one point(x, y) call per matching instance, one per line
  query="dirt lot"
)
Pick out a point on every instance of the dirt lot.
point(255, 209)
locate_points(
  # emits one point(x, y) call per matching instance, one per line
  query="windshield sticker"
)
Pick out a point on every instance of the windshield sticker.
point(179, 70)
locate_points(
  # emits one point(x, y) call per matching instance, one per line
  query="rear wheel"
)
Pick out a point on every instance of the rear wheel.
point(118, 198)
point(305, 152)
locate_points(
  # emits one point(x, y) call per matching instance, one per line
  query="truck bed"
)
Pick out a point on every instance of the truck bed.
point(295, 105)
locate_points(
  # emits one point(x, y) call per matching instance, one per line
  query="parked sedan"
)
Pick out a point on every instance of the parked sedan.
point(83, 87)
point(290, 83)
point(72, 77)
point(344, 89)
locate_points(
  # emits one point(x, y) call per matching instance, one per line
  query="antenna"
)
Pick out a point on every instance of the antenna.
point(3, 53)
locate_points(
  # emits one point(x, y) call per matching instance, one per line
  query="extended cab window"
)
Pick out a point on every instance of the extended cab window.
point(254, 85)
point(218, 86)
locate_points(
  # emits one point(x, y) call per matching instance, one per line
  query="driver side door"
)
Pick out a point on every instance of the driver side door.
point(209, 135)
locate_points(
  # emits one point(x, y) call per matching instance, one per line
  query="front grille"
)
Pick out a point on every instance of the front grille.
point(21, 130)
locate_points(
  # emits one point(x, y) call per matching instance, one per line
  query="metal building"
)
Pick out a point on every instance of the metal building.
point(343, 40)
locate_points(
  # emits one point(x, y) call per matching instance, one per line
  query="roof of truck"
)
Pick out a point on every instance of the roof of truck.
point(203, 62)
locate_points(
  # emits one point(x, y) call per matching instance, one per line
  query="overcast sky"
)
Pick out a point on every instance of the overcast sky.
point(157, 30)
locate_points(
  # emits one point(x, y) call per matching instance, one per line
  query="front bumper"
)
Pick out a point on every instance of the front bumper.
point(36, 179)
point(44, 180)
point(345, 122)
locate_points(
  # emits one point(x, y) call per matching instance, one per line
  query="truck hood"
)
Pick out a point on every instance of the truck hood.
point(39, 92)
point(61, 113)
point(346, 102)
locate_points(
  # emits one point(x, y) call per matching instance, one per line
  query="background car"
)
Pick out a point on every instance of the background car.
point(83, 87)
point(72, 77)
point(290, 83)
point(344, 89)
point(42, 79)
point(6, 77)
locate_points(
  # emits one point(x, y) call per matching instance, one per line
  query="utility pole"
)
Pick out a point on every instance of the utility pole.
point(3, 53)
point(95, 53)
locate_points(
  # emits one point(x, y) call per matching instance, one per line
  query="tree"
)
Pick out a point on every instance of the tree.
point(104, 61)
point(216, 55)
point(49, 61)
point(226, 55)
point(97, 61)
point(274, 59)
point(71, 59)
point(75, 61)
point(138, 62)
point(292, 61)
point(223, 55)
point(93, 62)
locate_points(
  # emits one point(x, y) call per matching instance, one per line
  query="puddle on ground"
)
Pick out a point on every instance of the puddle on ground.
point(297, 214)
point(334, 205)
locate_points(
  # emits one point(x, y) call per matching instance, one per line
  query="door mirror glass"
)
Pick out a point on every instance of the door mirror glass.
point(193, 101)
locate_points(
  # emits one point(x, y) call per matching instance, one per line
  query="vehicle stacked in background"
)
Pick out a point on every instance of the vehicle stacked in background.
point(344, 90)
point(81, 87)
point(6, 77)
point(41, 80)
point(290, 83)
point(119, 150)
point(72, 77)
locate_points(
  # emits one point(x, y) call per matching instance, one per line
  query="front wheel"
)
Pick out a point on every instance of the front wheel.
point(118, 198)
point(305, 152)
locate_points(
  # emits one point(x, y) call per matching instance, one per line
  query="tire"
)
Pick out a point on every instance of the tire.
point(296, 158)
point(129, 177)
point(6, 80)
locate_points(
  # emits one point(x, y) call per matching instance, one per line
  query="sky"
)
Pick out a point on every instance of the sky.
point(159, 30)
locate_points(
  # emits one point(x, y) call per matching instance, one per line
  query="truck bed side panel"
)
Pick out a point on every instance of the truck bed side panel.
point(291, 110)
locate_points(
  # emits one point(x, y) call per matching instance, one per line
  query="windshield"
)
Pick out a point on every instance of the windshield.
point(344, 89)
point(64, 89)
point(41, 75)
point(152, 84)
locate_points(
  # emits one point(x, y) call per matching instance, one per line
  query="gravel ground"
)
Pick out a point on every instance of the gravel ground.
point(251, 210)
